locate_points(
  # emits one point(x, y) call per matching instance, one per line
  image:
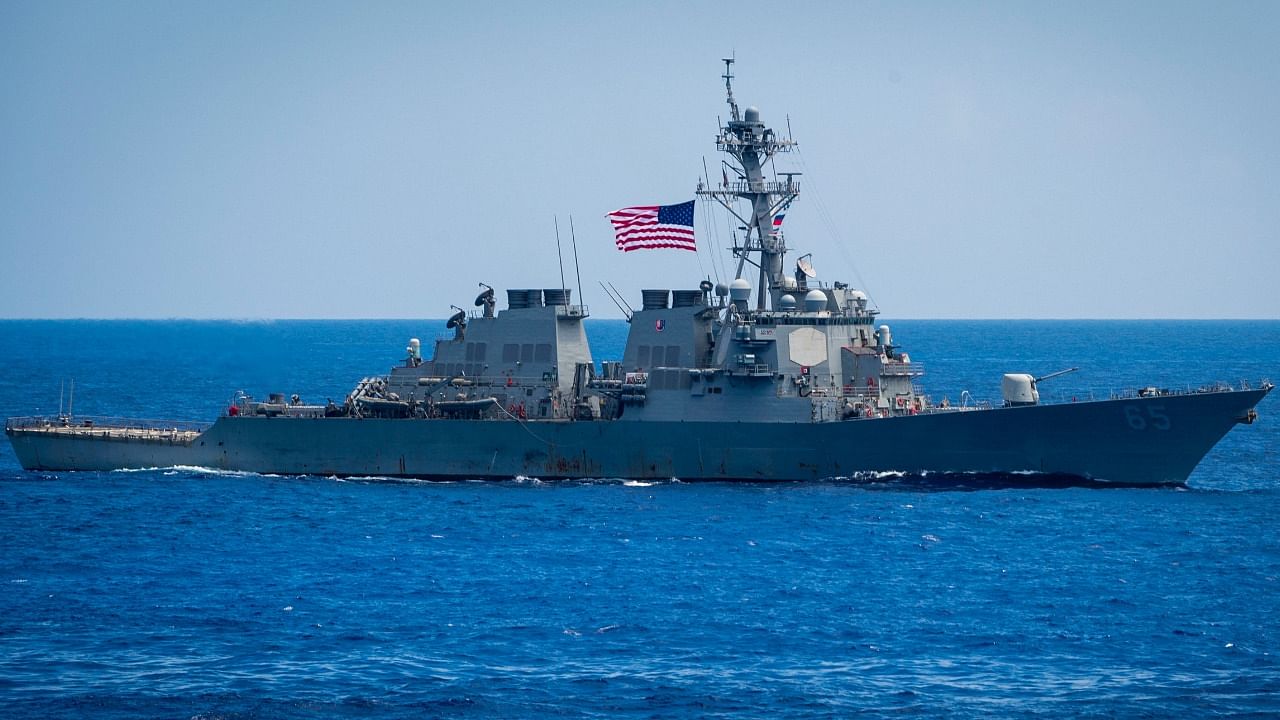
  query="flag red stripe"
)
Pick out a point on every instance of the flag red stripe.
point(656, 246)
point(657, 239)
point(637, 228)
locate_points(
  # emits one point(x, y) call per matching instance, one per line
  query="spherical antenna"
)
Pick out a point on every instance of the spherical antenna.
point(815, 301)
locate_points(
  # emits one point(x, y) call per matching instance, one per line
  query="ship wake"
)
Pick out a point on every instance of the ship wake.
point(198, 470)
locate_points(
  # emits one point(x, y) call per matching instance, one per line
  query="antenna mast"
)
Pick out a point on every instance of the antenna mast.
point(747, 141)
point(728, 88)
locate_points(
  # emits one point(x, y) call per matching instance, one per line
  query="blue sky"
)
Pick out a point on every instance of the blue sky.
point(339, 160)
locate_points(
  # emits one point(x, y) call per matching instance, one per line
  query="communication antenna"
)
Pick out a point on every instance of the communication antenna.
point(558, 254)
point(626, 312)
point(576, 270)
point(706, 175)
point(485, 300)
point(805, 265)
point(624, 300)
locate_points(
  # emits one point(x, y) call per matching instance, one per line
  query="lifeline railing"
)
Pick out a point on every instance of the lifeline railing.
point(50, 422)
point(1093, 394)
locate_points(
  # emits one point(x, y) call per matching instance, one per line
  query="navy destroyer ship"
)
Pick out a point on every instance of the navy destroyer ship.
point(774, 376)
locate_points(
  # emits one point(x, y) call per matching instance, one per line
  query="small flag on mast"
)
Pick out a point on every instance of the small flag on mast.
point(649, 227)
point(777, 222)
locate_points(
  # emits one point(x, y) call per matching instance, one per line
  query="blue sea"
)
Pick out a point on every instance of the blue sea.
point(186, 593)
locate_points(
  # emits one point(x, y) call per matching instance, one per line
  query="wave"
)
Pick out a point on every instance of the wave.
point(869, 479)
point(196, 470)
point(930, 480)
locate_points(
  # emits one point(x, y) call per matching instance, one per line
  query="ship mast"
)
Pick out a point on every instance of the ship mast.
point(750, 145)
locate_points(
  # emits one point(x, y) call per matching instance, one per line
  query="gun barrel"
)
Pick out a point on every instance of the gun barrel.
point(1056, 374)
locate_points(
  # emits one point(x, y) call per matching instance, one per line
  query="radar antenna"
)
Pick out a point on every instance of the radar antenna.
point(804, 270)
point(457, 322)
point(485, 299)
point(728, 88)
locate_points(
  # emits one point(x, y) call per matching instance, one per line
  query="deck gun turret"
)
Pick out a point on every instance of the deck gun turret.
point(1021, 388)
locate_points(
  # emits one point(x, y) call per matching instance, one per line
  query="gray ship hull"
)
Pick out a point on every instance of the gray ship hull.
point(1139, 441)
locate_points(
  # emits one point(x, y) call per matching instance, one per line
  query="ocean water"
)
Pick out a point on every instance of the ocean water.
point(184, 593)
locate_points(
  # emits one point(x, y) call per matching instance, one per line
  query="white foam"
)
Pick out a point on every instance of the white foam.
point(865, 475)
point(178, 469)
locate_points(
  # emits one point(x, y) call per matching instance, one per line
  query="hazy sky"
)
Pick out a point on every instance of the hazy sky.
point(338, 160)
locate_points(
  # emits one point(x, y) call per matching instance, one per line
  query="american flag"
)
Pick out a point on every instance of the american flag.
point(649, 227)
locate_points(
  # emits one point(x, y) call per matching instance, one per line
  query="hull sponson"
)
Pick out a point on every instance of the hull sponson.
point(1156, 440)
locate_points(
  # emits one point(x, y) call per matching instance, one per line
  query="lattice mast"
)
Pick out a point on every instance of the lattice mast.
point(750, 145)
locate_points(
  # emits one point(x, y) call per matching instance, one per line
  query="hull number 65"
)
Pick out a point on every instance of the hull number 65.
point(1149, 416)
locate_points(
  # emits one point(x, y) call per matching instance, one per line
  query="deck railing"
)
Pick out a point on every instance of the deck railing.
point(37, 422)
point(1092, 394)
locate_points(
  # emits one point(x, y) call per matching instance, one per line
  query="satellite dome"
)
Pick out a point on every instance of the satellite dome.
point(787, 302)
point(815, 301)
point(752, 115)
point(740, 289)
